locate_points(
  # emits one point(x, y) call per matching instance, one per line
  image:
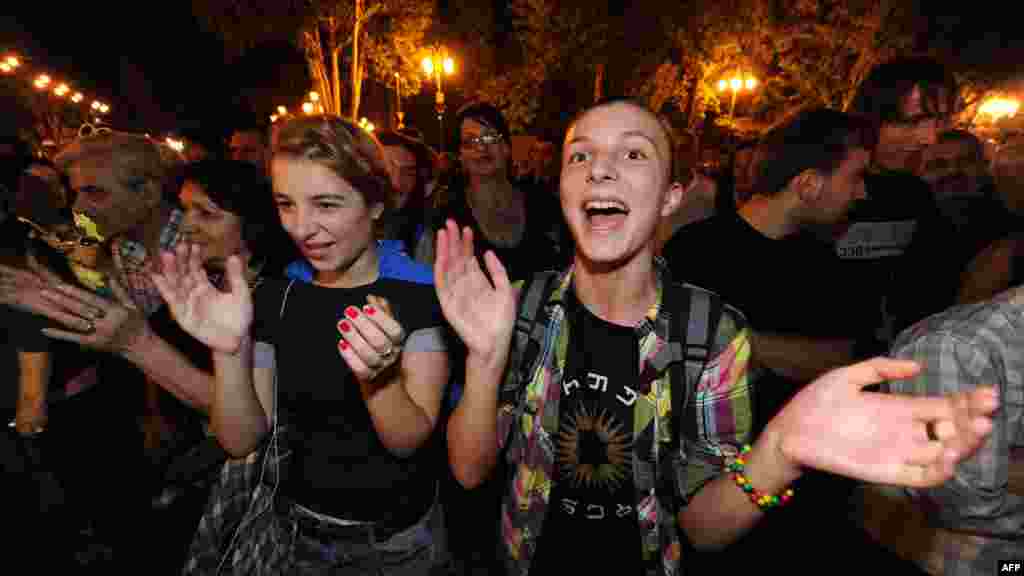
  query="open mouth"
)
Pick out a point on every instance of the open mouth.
point(605, 214)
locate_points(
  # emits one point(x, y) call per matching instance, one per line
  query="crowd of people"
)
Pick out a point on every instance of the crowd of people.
point(309, 349)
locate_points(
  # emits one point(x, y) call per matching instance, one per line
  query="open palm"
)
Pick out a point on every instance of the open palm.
point(832, 424)
point(218, 319)
point(482, 312)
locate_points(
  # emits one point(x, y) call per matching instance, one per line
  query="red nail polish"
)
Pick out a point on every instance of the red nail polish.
point(342, 345)
point(344, 326)
point(352, 312)
point(370, 310)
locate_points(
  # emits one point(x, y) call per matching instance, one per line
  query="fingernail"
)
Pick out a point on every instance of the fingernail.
point(351, 312)
point(344, 326)
point(342, 345)
point(370, 311)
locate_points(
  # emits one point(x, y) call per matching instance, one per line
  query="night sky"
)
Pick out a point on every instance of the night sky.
point(161, 72)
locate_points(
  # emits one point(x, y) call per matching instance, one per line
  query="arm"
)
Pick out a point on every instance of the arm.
point(405, 409)
point(34, 369)
point(801, 358)
point(472, 429)
point(976, 500)
point(718, 512)
point(171, 370)
point(237, 415)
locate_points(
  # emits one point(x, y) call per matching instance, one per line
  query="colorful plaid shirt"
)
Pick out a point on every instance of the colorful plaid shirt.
point(969, 346)
point(721, 404)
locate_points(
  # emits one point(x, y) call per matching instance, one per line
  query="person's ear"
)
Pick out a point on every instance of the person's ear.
point(674, 197)
point(809, 186)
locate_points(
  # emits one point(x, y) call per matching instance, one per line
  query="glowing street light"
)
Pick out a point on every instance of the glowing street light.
point(282, 111)
point(273, 118)
point(61, 90)
point(12, 61)
point(435, 65)
point(314, 96)
point(998, 108)
point(307, 107)
point(6, 68)
point(42, 81)
point(77, 97)
point(736, 84)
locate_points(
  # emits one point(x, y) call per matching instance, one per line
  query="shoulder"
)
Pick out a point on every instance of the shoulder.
point(730, 325)
point(397, 265)
point(993, 327)
point(414, 304)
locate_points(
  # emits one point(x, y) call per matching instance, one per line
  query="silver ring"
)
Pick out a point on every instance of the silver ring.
point(387, 353)
point(91, 327)
point(929, 428)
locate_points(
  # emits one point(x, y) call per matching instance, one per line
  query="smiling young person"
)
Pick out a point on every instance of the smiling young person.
point(597, 472)
point(358, 360)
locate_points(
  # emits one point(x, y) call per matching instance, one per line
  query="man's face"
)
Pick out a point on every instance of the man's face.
point(248, 147)
point(615, 183)
point(845, 186)
point(115, 207)
point(901, 143)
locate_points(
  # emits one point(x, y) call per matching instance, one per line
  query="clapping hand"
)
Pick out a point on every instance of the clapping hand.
point(221, 320)
point(481, 311)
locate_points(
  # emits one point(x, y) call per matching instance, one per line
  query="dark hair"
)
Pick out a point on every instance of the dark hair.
point(880, 96)
point(252, 125)
point(483, 113)
point(814, 139)
point(243, 189)
point(406, 221)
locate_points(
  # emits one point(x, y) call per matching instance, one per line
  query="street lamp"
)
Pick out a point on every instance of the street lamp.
point(438, 64)
point(398, 101)
point(735, 85)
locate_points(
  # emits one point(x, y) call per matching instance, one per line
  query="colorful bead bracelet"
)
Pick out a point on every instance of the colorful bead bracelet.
point(763, 501)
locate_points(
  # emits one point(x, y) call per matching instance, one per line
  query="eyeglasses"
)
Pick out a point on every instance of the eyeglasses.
point(482, 140)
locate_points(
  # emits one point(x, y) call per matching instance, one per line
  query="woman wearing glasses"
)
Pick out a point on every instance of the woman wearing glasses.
point(522, 226)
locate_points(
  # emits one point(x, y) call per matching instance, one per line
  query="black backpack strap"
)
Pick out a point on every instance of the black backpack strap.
point(527, 338)
point(693, 326)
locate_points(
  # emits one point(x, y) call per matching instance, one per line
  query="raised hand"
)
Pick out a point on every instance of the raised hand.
point(218, 319)
point(481, 312)
point(832, 424)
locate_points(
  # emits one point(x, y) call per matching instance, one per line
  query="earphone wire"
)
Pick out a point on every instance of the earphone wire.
point(272, 454)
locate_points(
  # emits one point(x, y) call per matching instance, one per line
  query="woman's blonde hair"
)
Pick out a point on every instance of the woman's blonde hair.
point(352, 153)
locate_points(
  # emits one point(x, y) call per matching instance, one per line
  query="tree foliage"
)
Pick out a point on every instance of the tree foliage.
point(391, 38)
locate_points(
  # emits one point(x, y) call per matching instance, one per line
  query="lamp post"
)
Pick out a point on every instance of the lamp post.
point(438, 64)
point(398, 102)
point(736, 84)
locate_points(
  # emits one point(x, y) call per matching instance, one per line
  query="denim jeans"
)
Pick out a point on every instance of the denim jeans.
point(356, 550)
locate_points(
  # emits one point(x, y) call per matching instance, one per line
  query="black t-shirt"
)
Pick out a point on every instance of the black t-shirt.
point(546, 244)
point(794, 285)
point(592, 515)
point(905, 257)
point(338, 465)
point(791, 285)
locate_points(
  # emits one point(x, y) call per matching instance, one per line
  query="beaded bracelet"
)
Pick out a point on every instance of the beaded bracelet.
point(763, 501)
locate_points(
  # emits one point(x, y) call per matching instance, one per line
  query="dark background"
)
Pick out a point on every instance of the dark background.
point(161, 72)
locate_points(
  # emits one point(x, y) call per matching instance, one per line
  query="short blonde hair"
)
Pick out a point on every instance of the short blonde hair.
point(343, 147)
point(136, 159)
